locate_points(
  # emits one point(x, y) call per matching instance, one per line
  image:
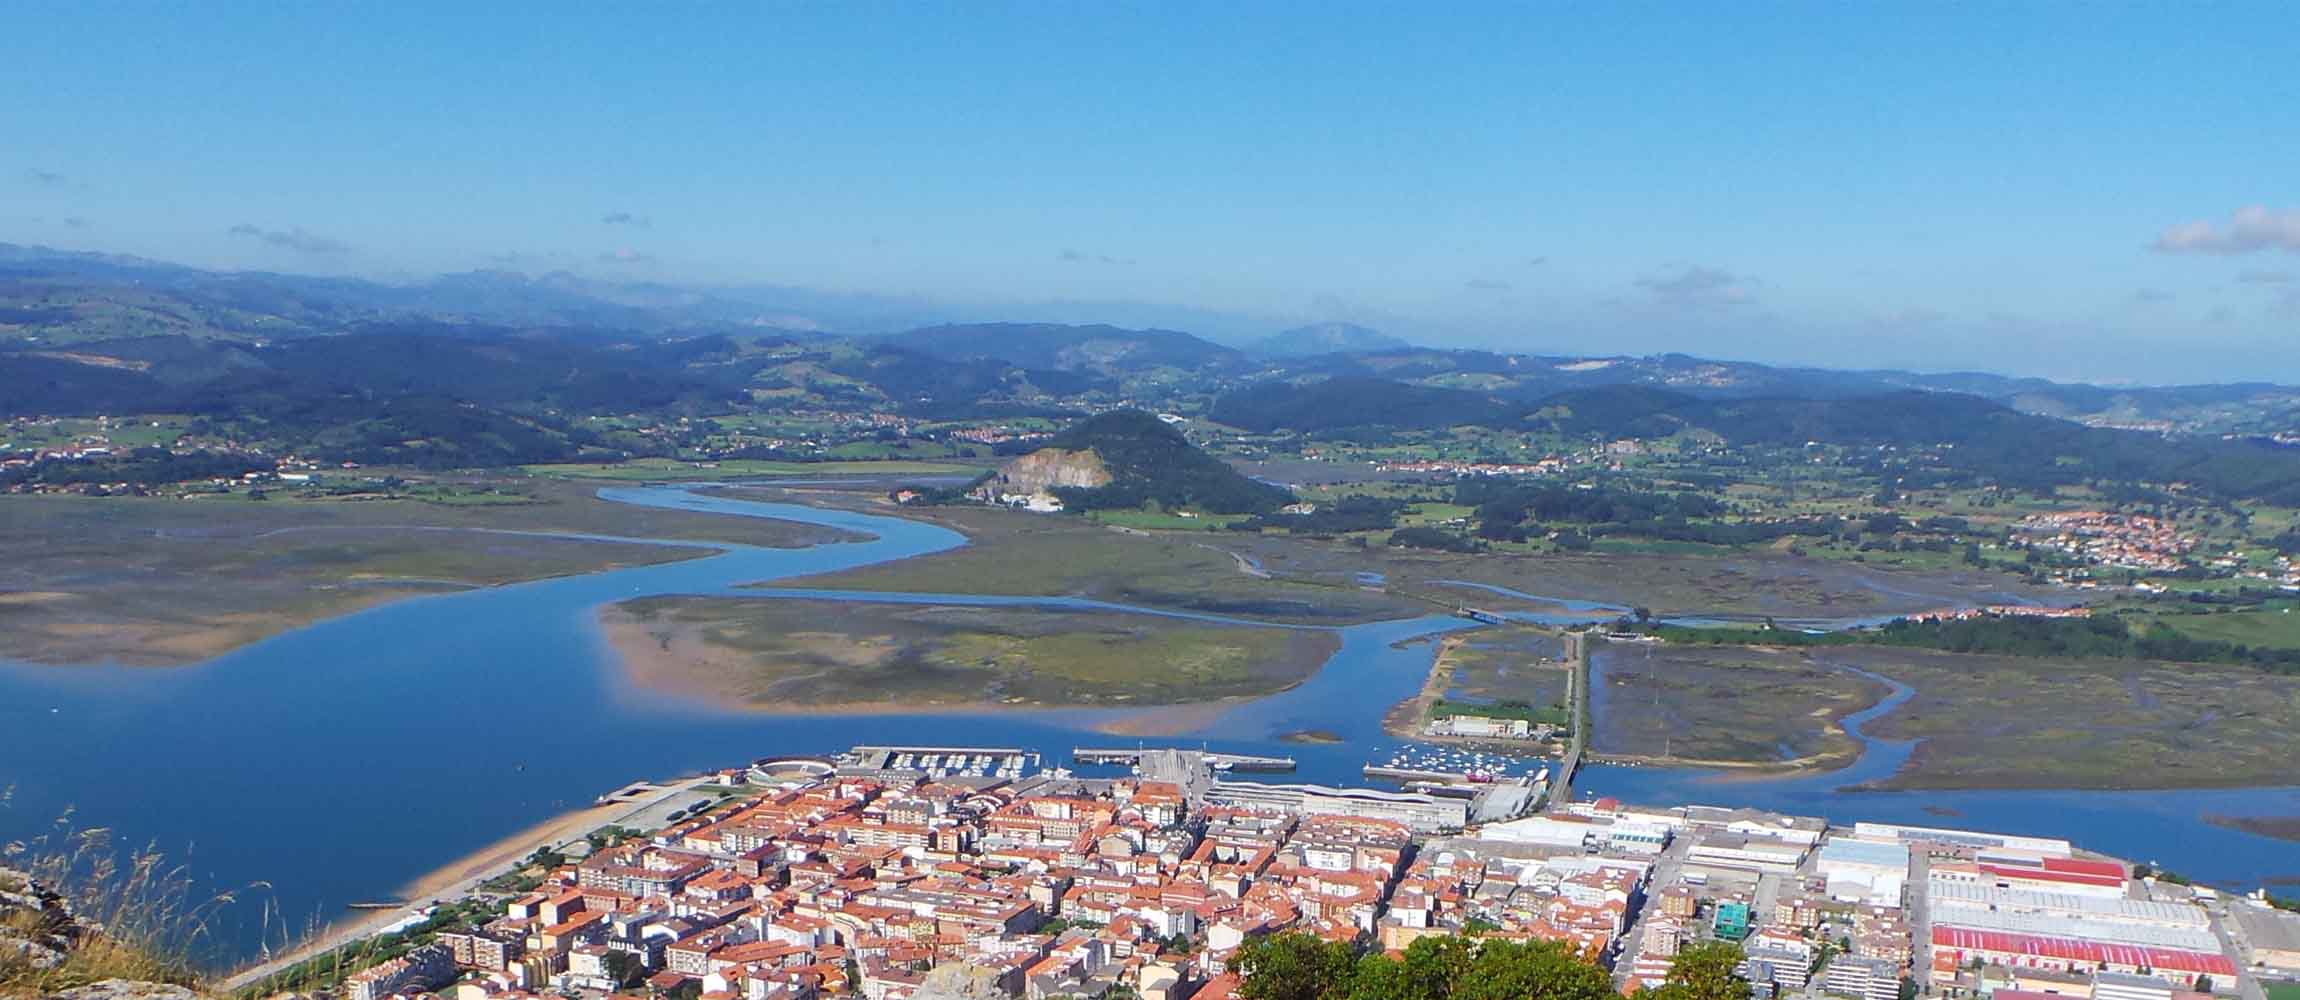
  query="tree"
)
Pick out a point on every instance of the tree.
point(625, 969)
point(1514, 970)
point(1293, 966)
point(1704, 972)
point(1300, 967)
point(1380, 977)
point(1434, 964)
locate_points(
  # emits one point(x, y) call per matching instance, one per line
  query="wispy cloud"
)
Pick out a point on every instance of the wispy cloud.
point(47, 178)
point(297, 239)
point(2252, 228)
point(75, 222)
point(1082, 257)
point(626, 256)
point(2258, 277)
point(626, 219)
point(1698, 287)
point(2151, 296)
point(1487, 285)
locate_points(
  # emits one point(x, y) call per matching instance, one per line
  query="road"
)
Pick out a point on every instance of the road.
point(1920, 918)
point(647, 812)
point(1577, 688)
point(1666, 868)
point(2232, 944)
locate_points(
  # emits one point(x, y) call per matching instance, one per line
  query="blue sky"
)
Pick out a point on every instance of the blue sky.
point(2100, 191)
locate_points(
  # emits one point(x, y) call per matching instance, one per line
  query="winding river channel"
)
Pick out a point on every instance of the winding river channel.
point(343, 760)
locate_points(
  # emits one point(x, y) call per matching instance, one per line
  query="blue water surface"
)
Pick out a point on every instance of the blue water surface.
point(341, 761)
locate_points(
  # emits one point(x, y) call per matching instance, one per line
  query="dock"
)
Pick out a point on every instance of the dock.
point(1218, 761)
point(1408, 774)
point(942, 759)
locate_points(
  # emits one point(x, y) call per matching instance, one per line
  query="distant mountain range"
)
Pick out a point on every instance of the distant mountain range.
point(1326, 338)
point(1105, 349)
point(92, 332)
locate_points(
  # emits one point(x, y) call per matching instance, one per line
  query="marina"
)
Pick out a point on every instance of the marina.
point(1218, 761)
point(942, 761)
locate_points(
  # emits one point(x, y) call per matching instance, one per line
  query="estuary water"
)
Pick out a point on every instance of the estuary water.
point(340, 761)
point(2164, 828)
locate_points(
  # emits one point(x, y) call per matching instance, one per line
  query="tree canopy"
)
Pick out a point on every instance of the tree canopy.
point(1301, 967)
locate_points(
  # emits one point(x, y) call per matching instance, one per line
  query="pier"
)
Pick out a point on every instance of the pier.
point(1218, 761)
point(942, 759)
point(1409, 774)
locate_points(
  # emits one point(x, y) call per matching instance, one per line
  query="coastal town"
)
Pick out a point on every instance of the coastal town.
point(900, 872)
point(782, 501)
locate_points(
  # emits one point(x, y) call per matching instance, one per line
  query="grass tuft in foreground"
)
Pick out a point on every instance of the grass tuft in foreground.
point(97, 913)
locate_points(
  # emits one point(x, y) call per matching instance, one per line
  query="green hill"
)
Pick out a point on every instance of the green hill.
point(1150, 462)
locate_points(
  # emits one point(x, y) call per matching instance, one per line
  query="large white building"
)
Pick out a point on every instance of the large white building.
point(1726, 849)
point(2119, 986)
point(1576, 832)
point(2045, 846)
point(1867, 978)
point(1953, 894)
point(1571, 832)
point(1420, 813)
point(1636, 838)
point(1864, 871)
point(2271, 937)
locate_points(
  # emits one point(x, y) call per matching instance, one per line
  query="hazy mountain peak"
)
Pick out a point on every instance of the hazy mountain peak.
point(1326, 338)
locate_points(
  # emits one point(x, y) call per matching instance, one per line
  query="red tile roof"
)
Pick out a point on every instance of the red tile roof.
point(2076, 950)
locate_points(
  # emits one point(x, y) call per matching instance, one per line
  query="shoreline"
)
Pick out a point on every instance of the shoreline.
point(461, 877)
point(1403, 719)
point(1748, 770)
point(2279, 827)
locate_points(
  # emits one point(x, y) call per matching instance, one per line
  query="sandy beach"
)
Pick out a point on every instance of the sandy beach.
point(460, 877)
point(1169, 720)
point(1404, 719)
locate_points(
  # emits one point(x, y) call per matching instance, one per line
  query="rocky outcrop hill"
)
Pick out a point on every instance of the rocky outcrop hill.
point(36, 925)
point(1041, 471)
point(38, 934)
point(1128, 459)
